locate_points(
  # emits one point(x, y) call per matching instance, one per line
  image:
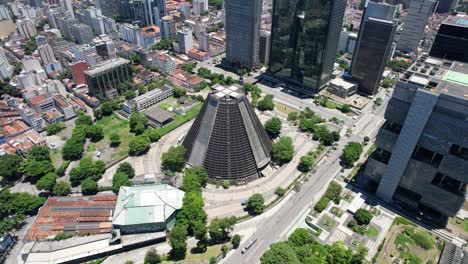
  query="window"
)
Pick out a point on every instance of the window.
point(427, 156)
point(459, 151)
point(391, 126)
point(449, 184)
point(381, 155)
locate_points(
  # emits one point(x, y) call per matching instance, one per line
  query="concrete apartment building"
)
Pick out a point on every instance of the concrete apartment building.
point(415, 24)
point(422, 149)
point(146, 100)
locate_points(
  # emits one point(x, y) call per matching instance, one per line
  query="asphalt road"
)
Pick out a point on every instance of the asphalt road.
point(275, 227)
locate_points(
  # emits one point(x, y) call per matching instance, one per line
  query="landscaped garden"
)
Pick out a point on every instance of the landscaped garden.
point(326, 222)
point(410, 244)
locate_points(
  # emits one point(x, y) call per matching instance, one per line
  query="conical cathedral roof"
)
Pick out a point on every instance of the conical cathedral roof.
point(227, 137)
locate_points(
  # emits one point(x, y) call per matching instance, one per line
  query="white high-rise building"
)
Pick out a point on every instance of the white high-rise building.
point(185, 10)
point(168, 28)
point(6, 70)
point(46, 53)
point(185, 39)
point(26, 28)
point(204, 42)
point(415, 24)
point(4, 13)
point(129, 33)
point(31, 64)
point(67, 6)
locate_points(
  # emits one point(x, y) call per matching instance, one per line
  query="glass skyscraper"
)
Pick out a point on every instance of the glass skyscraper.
point(304, 42)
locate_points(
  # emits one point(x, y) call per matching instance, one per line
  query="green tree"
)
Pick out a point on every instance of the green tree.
point(192, 211)
point(204, 73)
point(362, 216)
point(300, 237)
point(351, 153)
point(201, 174)
point(345, 108)
point(106, 108)
point(10, 169)
point(273, 127)
point(283, 150)
point(152, 257)
point(280, 253)
point(174, 158)
point(120, 179)
point(97, 113)
point(292, 116)
point(306, 163)
point(87, 168)
point(178, 242)
point(255, 204)
point(199, 231)
point(47, 182)
point(220, 228)
point(236, 239)
point(387, 82)
point(153, 134)
point(191, 183)
point(189, 67)
point(89, 187)
point(72, 150)
point(114, 140)
point(61, 188)
point(178, 92)
point(130, 94)
point(39, 153)
point(280, 192)
point(266, 103)
point(164, 44)
point(139, 145)
point(95, 133)
point(83, 120)
point(138, 123)
point(36, 169)
point(54, 128)
point(126, 168)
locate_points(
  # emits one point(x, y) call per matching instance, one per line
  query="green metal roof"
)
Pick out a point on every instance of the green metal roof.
point(146, 204)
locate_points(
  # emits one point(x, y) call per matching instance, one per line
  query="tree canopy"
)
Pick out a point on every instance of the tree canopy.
point(10, 169)
point(174, 158)
point(255, 204)
point(178, 242)
point(47, 182)
point(126, 168)
point(61, 188)
point(89, 187)
point(351, 153)
point(120, 179)
point(283, 150)
point(273, 127)
point(139, 145)
point(266, 103)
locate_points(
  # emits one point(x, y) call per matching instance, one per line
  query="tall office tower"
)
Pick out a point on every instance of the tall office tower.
point(415, 23)
point(6, 70)
point(185, 39)
point(422, 156)
point(104, 79)
point(143, 12)
point(198, 7)
point(204, 42)
point(227, 138)
point(46, 53)
point(168, 28)
point(4, 13)
point(304, 42)
point(65, 24)
point(67, 6)
point(185, 10)
point(242, 32)
point(109, 8)
point(92, 17)
point(82, 33)
point(264, 47)
point(445, 6)
point(26, 28)
point(129, 33)
point(451, 41)
point(374, 46)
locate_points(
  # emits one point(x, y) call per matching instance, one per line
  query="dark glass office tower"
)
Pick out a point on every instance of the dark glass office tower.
point(242, 32)
point(374, 46)
point(451, 41)
point(304, 42)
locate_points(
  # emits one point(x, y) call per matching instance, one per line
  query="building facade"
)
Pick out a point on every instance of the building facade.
point(168, 28)
point(421, 158)
point(185, 39)
point(374, 46)
point(106, 77)
point(83, 34)
point(415, 23)
point(242, 32)
point(6, 70)
point(304, 42)
point(451, 41)
point(264, 47)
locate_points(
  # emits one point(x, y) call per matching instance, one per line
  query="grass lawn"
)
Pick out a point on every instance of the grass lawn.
point(179, 120)
point(212, 251)
point(372, 231)
point(283, 108)
point(465, 225)
point(112, 124)
point(56, 157)
point(405, 246)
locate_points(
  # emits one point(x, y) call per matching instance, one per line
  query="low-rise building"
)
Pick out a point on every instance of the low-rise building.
point(158, 117)
point(164, 62)
point(63, 106)
point(186, 80)
point(198, 55)
point(41, 103)
point(342, 88)
point(149, 208)
point(148, 99)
